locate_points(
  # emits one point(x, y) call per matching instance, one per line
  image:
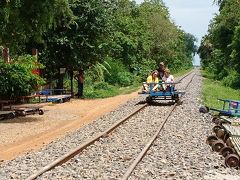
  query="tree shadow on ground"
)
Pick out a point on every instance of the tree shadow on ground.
point(156, 103)
point(25, 119)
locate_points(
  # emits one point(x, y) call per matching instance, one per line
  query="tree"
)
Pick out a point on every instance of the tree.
point(219, 48)
point(17, 78)
point(21, 20)
point(79, 45)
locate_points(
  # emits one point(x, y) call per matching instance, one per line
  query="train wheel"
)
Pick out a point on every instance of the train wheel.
point(40, 112)
point(11, 115)
point(217, 145)
point(211, 139)
point(225, 137)
point(23, 113)
point(177, 100)
point(203, 109)
point(229, 143)
point(220, 133)
point(219, 122)
point(175, 97)
point(215, 119)
point(149, 99)
point(232, 161)
point(216, 128)
point(226, 151)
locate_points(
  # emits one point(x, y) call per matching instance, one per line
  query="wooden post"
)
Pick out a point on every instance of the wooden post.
point(5, 53)
point(35, 53)
point(71, 77)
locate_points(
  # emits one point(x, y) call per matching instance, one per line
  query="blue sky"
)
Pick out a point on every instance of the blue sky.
point(192, 15)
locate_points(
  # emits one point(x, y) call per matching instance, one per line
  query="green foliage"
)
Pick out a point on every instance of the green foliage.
point(100, 90)
point(118, 42)
point(118, 74)
point(144, 36)
point(220, 48)
point(17, 78)
point(125, 78)
point(23, 20)
point(79, 46)
point(213, 90)
point(232, 80)
point(98, 70)
point(102, 85)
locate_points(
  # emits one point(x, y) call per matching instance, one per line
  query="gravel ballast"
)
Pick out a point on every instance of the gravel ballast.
point(180, 151)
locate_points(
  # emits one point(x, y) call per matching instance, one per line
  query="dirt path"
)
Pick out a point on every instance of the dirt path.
point(29, 133)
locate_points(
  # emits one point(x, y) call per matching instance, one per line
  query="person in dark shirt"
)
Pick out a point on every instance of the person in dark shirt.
point(80, 79)
point(161, 70)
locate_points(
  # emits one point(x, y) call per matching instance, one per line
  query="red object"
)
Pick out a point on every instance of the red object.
point(5, 53)
point(35, 53)
point(36, 71)
point(234, 104)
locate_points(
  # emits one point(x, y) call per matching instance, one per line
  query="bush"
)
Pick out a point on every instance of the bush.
point(118, 74)
point(125, 78)
point(17, 79)
point(100, 90)
point(232, 80)
point(101, 85)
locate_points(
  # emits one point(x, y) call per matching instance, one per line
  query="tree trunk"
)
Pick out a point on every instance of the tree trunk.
point(71, 78)
point(60, 83)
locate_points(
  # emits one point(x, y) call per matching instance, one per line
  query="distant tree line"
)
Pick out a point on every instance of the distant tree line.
point(220, 47)
point(113, 40)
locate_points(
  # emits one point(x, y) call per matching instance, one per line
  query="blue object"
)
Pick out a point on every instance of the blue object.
point(229, 108)
point(169, 94)
point(45, 92)
point(52, 91)
point(59, 98)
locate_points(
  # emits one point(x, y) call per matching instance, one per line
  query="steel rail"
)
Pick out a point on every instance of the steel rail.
point(185, 76)
point(59, 161)
point(150, 142)
point(82, 146)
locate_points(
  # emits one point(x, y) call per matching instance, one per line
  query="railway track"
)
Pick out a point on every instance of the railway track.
point(105, 134)
point(149, 144)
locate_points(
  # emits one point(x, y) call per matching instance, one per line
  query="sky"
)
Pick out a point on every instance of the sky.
point(192, 16)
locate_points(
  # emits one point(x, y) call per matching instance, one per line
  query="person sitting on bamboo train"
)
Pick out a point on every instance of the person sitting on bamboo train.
point(167, 78)
point(161, 70)
point(153, 78)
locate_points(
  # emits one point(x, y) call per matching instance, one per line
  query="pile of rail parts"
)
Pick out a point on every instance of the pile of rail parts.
point(21, 111)
point(226, 138)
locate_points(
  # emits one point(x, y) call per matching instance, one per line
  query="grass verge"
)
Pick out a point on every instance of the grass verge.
point(182, 72)
point(212, 90)
point(104, 90)
point(109, 91)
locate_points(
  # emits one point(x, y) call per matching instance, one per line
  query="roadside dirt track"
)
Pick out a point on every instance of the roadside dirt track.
point(25, 134)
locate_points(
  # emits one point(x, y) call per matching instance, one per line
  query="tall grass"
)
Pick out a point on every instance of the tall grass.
point(212, 90)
